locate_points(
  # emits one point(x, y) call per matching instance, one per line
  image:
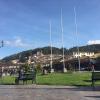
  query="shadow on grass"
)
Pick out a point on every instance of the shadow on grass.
point(87, 80)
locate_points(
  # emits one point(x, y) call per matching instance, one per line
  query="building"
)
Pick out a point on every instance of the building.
point(15, 61)
point(82, 54)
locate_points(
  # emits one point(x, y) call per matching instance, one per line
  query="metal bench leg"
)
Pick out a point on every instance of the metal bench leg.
point(93, 83)
point(32, 81)
point(23, 82)
point(35, 80)
point(16, 81)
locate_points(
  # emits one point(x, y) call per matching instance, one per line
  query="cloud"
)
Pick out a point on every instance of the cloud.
point(18, 42)
point(93, 42)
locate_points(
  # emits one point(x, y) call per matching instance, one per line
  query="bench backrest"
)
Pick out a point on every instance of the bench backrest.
point(96, 75)
point(28, 75)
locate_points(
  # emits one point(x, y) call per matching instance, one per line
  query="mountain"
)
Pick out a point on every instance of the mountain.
point(47, 50)
point(88, 48)
point(25, 54)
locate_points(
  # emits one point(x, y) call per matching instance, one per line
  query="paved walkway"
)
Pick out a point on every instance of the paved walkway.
point(34, 92)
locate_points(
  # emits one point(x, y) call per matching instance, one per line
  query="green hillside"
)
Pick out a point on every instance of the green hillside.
point(46, 50)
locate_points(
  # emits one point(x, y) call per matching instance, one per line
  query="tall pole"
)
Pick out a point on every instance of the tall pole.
point(64, 69)
point(77, 38)
point(2, 45)
point(52, 70)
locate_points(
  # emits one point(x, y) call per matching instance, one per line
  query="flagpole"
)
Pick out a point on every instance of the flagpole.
point(51, 65)
point(78, 51)
point(2, 69)
point(64, 69)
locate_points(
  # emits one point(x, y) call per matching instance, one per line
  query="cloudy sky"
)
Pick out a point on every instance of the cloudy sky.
point(24, 24)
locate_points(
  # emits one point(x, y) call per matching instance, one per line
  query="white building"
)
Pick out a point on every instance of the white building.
point(15, 61)
point(82, 54)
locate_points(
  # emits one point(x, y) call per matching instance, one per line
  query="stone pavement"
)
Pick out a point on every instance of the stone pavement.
point(43, 92)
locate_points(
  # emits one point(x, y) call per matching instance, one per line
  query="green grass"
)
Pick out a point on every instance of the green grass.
point(77, 78)
point(7, 80)
point(70, 79)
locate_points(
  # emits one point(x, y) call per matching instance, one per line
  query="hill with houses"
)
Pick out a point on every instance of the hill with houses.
point(56, 51)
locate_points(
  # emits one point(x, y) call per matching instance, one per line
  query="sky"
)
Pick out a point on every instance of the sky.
point(24, 24)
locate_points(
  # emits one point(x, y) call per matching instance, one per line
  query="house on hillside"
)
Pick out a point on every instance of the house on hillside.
point(82, 54)
point(15, 61)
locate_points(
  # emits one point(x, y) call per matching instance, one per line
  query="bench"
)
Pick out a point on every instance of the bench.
point(95, 77)
point(25, 76)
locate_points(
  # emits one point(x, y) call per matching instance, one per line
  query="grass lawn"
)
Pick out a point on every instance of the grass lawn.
point(82, 78)
point(7, 80)
point(71, 79)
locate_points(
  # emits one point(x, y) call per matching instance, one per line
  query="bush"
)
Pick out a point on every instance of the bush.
point(38, 68)
point(25, 67)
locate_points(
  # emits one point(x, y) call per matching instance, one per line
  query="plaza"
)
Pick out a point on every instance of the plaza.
point(45, 92)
